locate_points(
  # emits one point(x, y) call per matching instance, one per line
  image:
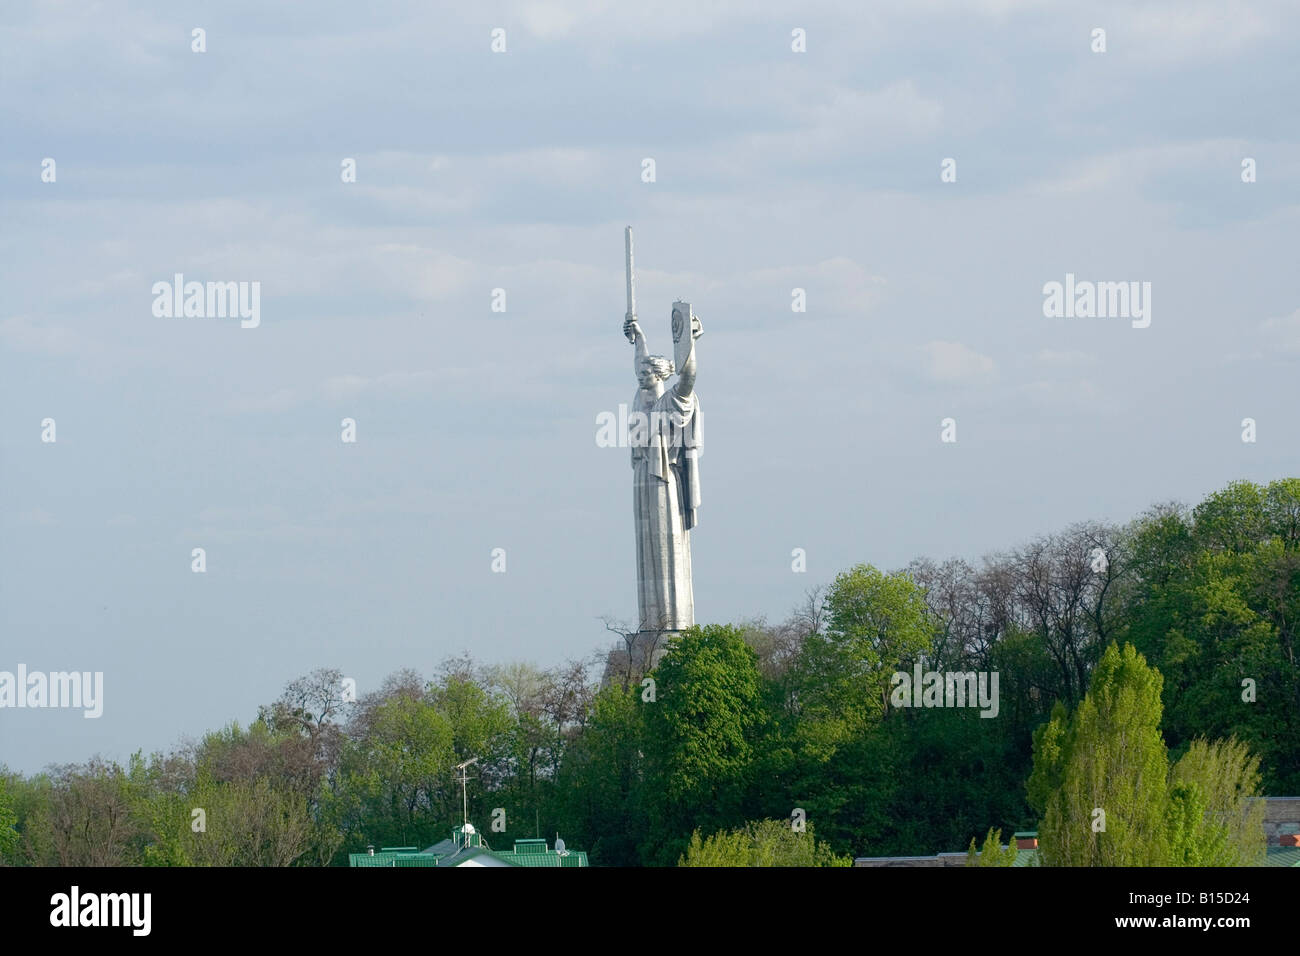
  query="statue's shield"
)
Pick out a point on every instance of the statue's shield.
point(682, 340)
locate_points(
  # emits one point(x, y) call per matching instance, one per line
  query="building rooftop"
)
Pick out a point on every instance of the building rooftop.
point(466, 848)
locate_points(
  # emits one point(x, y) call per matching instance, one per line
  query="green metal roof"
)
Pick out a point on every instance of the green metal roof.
point(537, 845)
point(529, 852)
point(441, 848)
point(392, 859)
point(1282, 856)
point(543, 858)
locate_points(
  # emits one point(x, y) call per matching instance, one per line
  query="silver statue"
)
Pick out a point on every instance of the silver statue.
point(665, 435)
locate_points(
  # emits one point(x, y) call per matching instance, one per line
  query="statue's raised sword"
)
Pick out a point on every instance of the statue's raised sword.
point(631, 288)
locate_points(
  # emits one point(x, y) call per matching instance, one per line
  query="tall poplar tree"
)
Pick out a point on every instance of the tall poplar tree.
point(1108, 797)
point(1100, 779)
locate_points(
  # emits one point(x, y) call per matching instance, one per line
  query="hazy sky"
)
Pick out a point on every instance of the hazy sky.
point(478, 170)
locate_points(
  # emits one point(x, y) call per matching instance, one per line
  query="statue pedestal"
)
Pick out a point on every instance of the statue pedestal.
point(629, 663)
point(648, 647)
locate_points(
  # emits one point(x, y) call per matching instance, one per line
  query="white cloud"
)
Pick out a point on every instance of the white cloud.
point(20, 333)
point(36, 516)
point(956, 363)
point(831, 122)
point(1190, 29)
point(241, 514)
point(279, 401)
point(389, 384)
point(1065, 359)
point(1127, 168)
point(1284, 331)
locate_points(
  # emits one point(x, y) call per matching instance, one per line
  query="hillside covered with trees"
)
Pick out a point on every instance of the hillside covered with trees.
point(747, 722)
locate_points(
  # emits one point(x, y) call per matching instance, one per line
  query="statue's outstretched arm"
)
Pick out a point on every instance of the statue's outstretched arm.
point(685, 384)
point(641, 352)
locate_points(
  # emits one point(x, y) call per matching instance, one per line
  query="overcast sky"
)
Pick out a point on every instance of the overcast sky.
point(477, 170)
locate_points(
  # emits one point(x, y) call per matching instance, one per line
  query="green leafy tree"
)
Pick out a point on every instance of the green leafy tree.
point(1215, 606)
point(1233, 519)
point(8, 823)
point(724, 848)
point(992, 853)
point(1218, 818)
point(241, 823)
point(481, 727)
point(533, 738)
point(1100, 776)
point(836, 760)
point(1193, 840)
point(1203, 811)
point(702, 732)
point(88, 816)
point(601, 783)
point(761, 843)
point(876, 624)
point(394, 782)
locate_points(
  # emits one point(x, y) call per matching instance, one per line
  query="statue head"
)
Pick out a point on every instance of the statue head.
point(654, 368)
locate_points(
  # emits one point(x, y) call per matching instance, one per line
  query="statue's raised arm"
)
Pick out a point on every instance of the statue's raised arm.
point(684, 347)
point(641, 352)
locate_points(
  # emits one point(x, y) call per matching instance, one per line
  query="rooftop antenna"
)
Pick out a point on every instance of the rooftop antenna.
point(464, 786)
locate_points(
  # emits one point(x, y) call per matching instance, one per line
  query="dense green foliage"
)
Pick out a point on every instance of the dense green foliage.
point(762, 843)
point(1220, 776)
point(1103, 783)
point(1100, 775)
point(992, 853)
point(753, 722)
point(8, 835)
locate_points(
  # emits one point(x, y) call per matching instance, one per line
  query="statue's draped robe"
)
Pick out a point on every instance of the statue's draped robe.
point(665, 496)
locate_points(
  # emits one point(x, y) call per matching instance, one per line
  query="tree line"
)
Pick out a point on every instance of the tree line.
point(743, 726)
